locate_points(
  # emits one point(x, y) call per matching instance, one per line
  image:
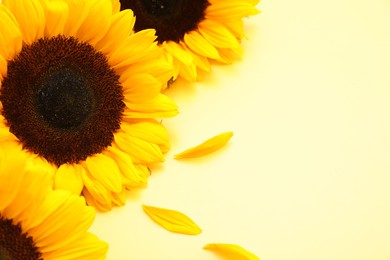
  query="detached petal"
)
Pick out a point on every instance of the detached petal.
point(234, 251)
point(207, 147)
point(172, 220)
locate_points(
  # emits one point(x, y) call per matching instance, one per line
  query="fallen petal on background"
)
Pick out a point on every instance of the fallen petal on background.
point(207, 147)
point(231, 251)
point(172, 220)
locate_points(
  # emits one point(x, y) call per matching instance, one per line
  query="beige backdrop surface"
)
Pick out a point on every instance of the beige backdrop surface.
point(307, 173)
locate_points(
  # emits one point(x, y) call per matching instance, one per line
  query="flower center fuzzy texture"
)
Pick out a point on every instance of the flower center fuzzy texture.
point(62, 100)
point(14, 244)
point(171, 19)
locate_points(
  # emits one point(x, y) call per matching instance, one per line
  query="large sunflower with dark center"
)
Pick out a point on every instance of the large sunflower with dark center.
point(171, 18)
point(62, 100)
point(80, 100)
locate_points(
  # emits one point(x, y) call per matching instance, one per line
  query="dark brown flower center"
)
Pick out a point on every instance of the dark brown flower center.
point(62, 99)
point(14, 244)
point(172, 19)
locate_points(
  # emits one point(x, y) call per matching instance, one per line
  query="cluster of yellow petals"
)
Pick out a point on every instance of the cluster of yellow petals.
point(217, 38)
point(144, 69)
point(135, 57)
point(57, 220)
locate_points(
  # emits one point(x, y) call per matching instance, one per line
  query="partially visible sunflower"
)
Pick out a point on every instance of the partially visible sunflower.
point(81, 94)
point(37, 222)
point(193, 32)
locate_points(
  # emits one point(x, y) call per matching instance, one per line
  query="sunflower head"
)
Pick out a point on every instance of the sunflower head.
point(80, 98)
point(194, 32)
point(37, 222)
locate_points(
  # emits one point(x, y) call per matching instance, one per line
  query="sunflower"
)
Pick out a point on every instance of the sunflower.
point(193, 32)
point(37, 222)
point(81, 95)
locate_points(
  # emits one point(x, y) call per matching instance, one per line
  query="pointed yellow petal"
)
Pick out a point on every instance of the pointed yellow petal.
point(196, 42)
point(172, 220)
point(160, 106)
point(178, 52)
point(56, 12)
point(209, 146)
point(116, 6)
point(148, 130)
point(78, 12)
point(232, 251)
point(188, 72)
point(218, 35)
point(140, 151)
point(88, 30)
point(121, 26)
point(138, 47)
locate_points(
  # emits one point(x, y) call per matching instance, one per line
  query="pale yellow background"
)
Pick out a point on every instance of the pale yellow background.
point(307, 174)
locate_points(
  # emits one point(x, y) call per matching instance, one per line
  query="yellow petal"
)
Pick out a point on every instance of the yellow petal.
point(10, 164)
point(56, 12)
point(138, 47)
point(200, 45)
point(160, 69)
point(187, 72)
point(97, 204)
point(97, 191)
point(140, 151)
point(78, 12)
point(121, 26)
point(200, 61)
point(132, 177)
point(160, 106)
point(68, 177)
point(116, 6)
point(86, 247)
point(209, 146)
point(30, 17)
point(232, 251)
point(52, 232)
point(172, 220)
point(106, 171)
point(218, 35)
point(140, 88)
point(3, 68)
point(236, 27)
point(148, 130)
point(89, 31)
point(10, 35)
point(178, 52)
point(231, 10)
